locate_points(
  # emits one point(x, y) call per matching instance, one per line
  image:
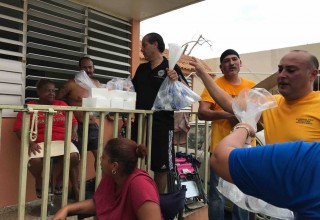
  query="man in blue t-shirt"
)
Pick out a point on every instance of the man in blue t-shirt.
point(286, 175)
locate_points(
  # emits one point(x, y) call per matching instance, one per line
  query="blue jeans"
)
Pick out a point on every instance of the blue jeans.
point(239, 214)
point(216, 200)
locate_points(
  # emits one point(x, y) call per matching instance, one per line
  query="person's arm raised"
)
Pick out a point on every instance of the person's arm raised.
point(219, 160)
point(218, 94)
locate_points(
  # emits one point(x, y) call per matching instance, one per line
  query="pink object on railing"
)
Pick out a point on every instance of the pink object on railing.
point(181, 160)
point(185, 168)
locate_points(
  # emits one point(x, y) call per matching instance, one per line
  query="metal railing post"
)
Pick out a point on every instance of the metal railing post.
point(66, 158)
point(46, 162)
point(83, 163)
point(149, 143)
point(206, 159)
point(23, 164)
point(100, 148)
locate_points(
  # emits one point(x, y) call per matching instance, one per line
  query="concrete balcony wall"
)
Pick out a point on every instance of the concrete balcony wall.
point(9, 164)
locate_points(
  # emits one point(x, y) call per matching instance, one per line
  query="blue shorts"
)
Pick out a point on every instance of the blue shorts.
point(93, 136)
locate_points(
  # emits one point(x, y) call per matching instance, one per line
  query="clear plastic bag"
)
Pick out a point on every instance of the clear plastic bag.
point(128, 85)
point(251, 203)
point(247, 107)
point(84, 80)
point(174, 95)
point(120, 84)
point(114, 84)
point(250, 103)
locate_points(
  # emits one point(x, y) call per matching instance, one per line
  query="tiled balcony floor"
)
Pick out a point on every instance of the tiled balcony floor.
point(33, 211)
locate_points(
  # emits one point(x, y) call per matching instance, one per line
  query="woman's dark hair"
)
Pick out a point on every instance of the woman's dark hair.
point(152, 37)
point(126, 152)
point(42, 83)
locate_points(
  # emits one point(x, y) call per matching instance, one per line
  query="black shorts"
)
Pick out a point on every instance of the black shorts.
point(93, 136)
point(162, 150)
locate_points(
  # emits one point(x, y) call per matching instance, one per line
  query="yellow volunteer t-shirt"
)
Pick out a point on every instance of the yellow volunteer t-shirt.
point(221, 128)
point(293, 120)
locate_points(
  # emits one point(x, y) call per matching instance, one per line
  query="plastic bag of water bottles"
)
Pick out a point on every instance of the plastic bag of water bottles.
point(251, 203)
point(120, 84)
point(174, 95)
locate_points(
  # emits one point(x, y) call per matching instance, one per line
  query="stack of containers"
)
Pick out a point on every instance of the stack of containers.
point(112, 97)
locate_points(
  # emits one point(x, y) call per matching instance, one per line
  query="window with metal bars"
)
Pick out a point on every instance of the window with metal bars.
point(11, 54)
point(57, 33)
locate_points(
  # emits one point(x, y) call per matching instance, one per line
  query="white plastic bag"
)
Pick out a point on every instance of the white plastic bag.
point(175, 52)
point(174, 95)
point(84, 80)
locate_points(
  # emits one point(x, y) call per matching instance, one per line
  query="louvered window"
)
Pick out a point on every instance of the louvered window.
point(48, 40)
point(12, 48)
point(60, 32)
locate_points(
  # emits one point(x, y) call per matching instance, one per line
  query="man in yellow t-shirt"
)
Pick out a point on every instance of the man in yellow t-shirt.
point(297, 115)
point(222, 124)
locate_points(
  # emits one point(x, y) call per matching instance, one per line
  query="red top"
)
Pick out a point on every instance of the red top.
point(58, 124)
point(137, 189)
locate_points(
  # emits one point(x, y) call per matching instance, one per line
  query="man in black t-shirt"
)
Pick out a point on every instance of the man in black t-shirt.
point(147, 81)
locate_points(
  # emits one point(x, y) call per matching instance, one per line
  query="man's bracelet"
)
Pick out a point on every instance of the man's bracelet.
point(242, 126)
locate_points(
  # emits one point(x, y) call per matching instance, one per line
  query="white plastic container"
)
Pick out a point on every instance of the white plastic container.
point(113, 94)
point(116, 103)
point(129, 104)
point(99, 92)
point(123, 99)
point(97, 102)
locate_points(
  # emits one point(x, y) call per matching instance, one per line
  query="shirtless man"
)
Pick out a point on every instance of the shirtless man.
point(73, 94)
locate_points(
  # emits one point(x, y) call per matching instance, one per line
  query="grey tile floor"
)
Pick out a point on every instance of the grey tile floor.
point(33, 211)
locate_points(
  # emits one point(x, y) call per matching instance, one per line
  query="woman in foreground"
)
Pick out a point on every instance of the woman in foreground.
point(125, 192)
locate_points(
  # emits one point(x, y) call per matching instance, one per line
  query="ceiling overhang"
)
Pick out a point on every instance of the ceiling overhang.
point(136, 9)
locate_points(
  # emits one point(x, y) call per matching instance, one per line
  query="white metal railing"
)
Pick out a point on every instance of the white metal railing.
point(201, 153)
point(200, 138)
point(50, 111)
